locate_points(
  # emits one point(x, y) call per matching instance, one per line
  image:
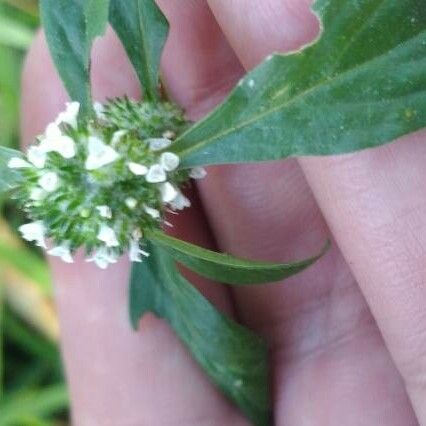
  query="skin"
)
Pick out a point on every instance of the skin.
point(347, 337)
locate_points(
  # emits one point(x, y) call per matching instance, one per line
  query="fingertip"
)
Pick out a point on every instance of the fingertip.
point(265, 27)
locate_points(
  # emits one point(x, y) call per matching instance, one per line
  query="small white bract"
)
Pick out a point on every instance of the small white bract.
point(100, 154)
point(63, 252)
point(103, 257)
point(49, 181)
point(34, 232)
point(18, 163)
point(198, 173)
point(156, 174)
point(104, 211)
point(100, 183)
point(158, 144)
point(137, 169)
point(70, 115)
point(108, 236)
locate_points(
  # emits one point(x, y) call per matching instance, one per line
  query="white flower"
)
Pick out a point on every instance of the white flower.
point(55, 141)
point(62, 251)
point(103, 257)
point(34, 231)
point(154, 213)
point(135, 251)
point(49, 181)
point(131, 202)
point(18, 163)
point(137, 234)
point(180, 202)
point(156, 174)
point(157, 144)
point(169, 134)
point(117, 136)
point(137, 169)
point(107, 235)
point(168, 192)
point(38, 194)
point(169, 161)
point(99, 110)
point(100, 154)
point(104, 211)
point(69, 116)
point(198, 173)
point(52, 131)
point(37, 156)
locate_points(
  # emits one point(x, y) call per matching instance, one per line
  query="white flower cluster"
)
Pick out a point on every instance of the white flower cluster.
point(114, 193)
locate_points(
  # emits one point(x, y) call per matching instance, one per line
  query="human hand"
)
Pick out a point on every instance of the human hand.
point(325, 326)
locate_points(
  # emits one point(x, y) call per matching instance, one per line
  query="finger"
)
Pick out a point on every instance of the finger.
point(375, 204)
point(117, 376)
point(321, 330)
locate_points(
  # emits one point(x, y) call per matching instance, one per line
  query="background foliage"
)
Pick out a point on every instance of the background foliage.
point(32, 389)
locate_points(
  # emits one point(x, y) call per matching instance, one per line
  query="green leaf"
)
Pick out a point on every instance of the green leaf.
point(143, 30)
point(233, 357)
point(360, 85)
point(43, 402)
point(71, 27)
point(14, 34)
point(225, 268)
point(8, 177)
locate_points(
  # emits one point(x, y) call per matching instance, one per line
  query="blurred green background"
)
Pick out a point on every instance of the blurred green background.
point(32, 389)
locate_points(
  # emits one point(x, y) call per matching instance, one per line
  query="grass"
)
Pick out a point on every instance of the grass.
point(32, 388)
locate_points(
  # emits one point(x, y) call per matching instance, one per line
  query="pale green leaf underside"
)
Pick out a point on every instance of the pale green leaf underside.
point(70, 28)
point(363, 83)
point(8, 177)
point(225, 268)
point(143, 30)
point(233, 357)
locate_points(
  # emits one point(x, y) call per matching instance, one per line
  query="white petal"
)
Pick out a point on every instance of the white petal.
point(99, 110)
point(63, 145)
point(107, 235)
point(49, 181)
point(169, 161)
point(137, 234)
point(100, 154)
point(134, 251)
point(104, 211)
point(131, 202)
point(154, 213)
point(157, 144)
point(198, 173)
point(18, 163)
point(137, 169)
point(53, 131)
point(63, 252)
point(168, 192)
point(156, 174)
point(38, 194)
point(34, 231)
point(117, 136)
point(36, 156)
point(103, 257)
point(69, 116)
point(66, 147)
point(180, 202)
point(169, 134)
